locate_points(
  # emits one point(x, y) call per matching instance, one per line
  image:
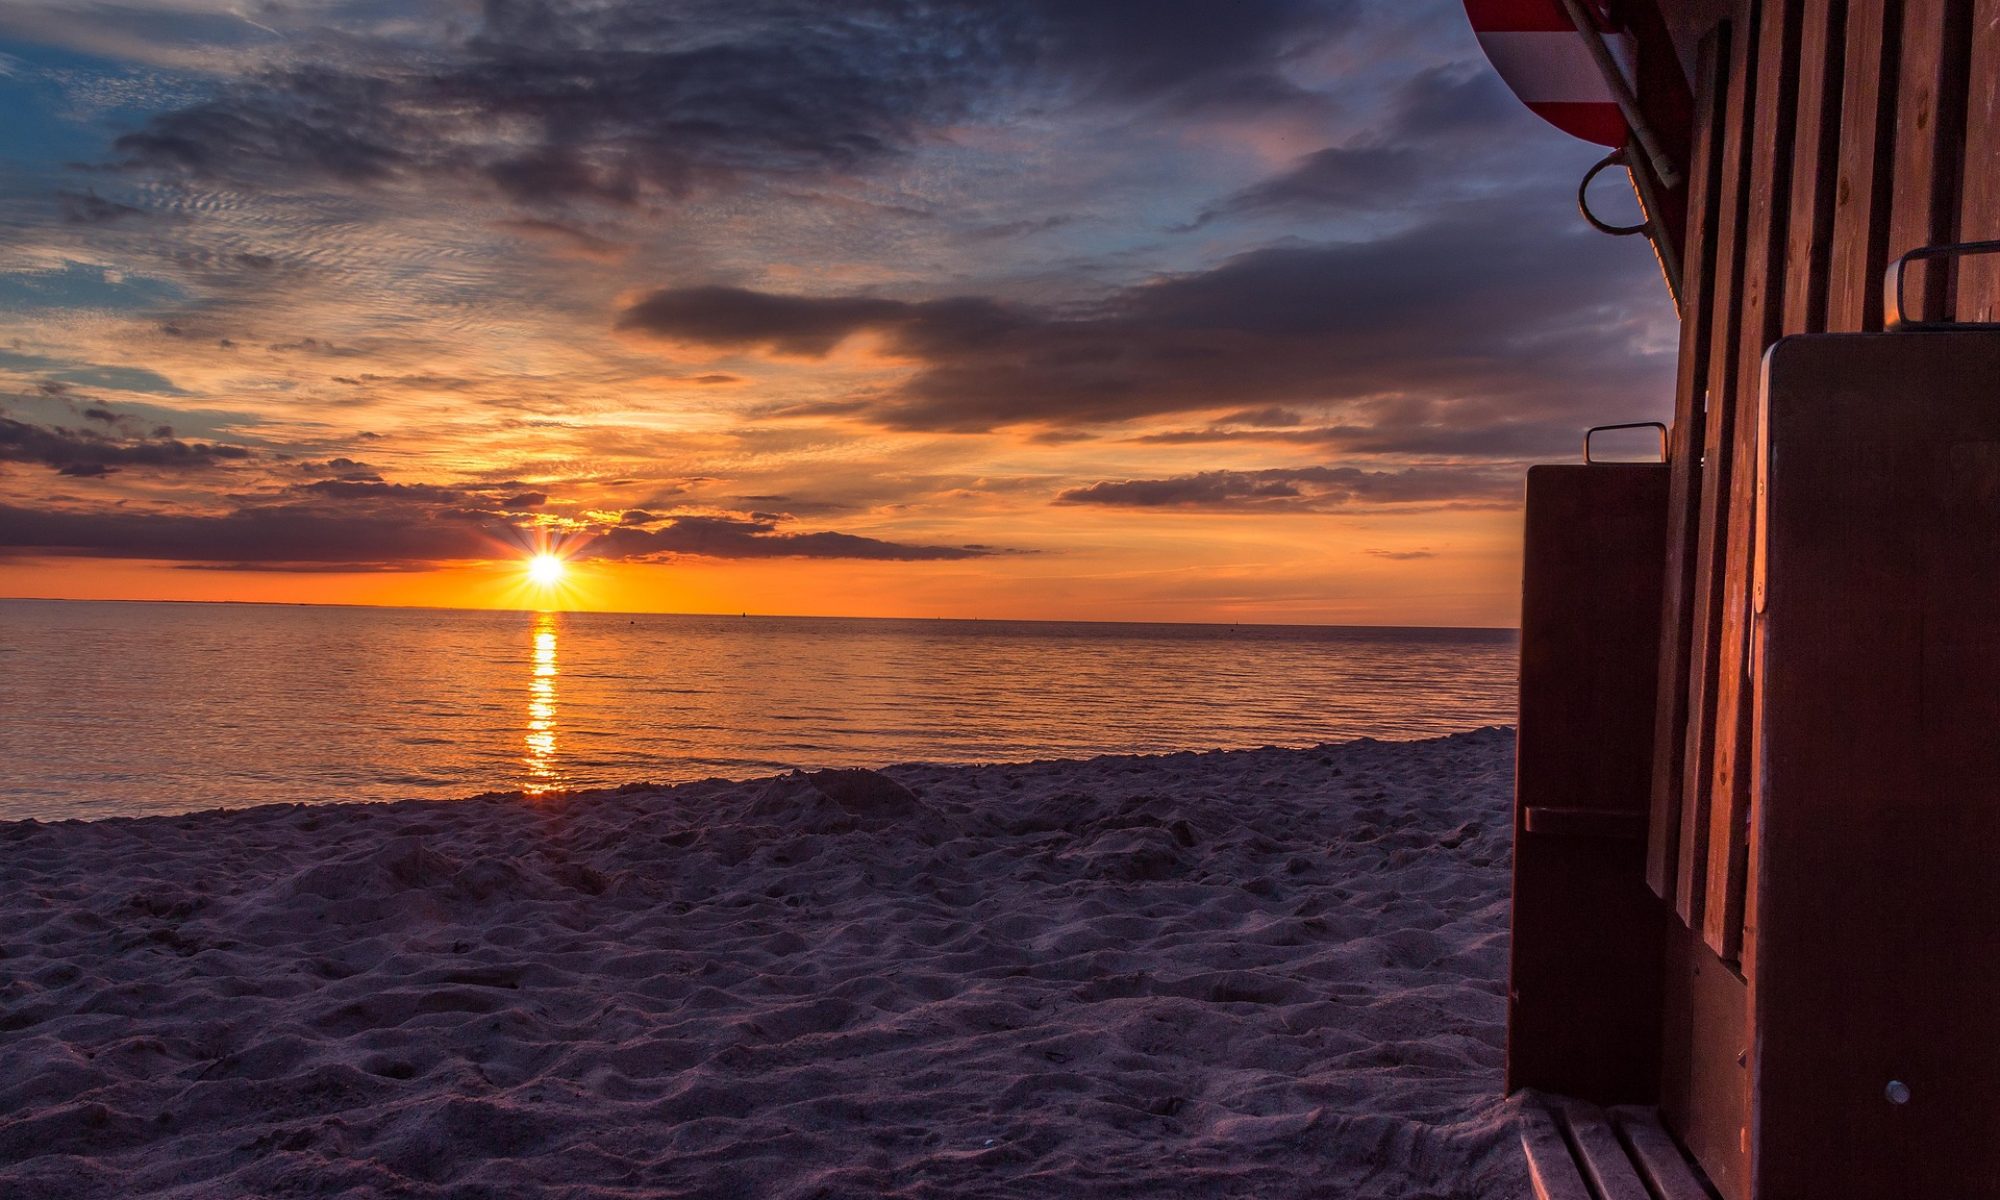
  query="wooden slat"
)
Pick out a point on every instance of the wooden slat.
point(1601, 1155)
point(1550, 1167)
point(1684, 457)
point(1815, 166)
point(1930, 131)
point(1861, 199)
point(1658, 1160)
point(1724, 327)
point(1773, 108)
point(1979, 202)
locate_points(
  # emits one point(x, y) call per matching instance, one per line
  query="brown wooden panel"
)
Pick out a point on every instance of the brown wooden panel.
point(1684, 459)
point(1584, 961)
point(1879, 816)
point(1704, 1073)
point(1979, 201)
point(1815, 166)
point(1725, 326)
point(1861, 194)
point(1658, 1160)
point(1774, 107)
point(1930, 136)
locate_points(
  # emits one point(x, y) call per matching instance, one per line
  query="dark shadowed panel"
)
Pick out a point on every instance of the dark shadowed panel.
point(1879, 812)
point(1583, 1008)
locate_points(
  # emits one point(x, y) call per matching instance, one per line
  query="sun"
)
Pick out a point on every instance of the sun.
point(545, 570)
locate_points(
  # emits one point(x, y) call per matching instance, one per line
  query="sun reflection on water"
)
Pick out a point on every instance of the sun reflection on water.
point(539, 754)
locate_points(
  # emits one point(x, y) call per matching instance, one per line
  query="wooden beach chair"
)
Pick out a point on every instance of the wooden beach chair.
point(1756, 910)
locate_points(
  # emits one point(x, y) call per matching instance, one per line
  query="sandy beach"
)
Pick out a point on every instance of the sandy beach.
point(1270, 973)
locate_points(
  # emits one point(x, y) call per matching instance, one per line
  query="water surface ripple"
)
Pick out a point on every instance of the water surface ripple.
point(128, 708)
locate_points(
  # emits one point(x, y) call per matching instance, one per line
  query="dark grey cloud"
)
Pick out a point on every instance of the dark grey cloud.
point(1336, 181)
point(89, 208)
point(737, 319)
point(1481, 319)
point(1403, 555)
point(258, 534)
point(1304, 489)
point(337, 525)
point(1429, 429)
point(758, 537)
point(1444, 133)
point(87, 453)
point(553, 101)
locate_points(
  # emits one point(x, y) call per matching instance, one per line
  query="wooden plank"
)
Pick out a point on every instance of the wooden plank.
point(1815, 166)
point(1704, 1075)
point(1979, 201)
point(1684, 458)
point(1879, 893)
point(1930, 132)
point(1657, 1158)
point(1774, 106)
point(1551, 1169)
point(1600, 1154)
point(1867, 135)
point(1584, 956)
point(1705, 642)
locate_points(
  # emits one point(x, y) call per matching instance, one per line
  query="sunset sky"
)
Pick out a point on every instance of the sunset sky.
point(1124, 310)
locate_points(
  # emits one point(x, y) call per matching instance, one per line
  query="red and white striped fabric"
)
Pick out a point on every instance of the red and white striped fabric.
point(1550, 68)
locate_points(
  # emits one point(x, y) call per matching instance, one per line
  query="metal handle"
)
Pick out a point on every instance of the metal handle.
point(1614, 159)
point(1594, 430)
point(1895, 310)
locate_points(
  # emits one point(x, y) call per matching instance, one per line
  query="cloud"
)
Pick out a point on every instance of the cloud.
point(1304, 489)
point(255, 534)
point(337, 525)
point(1402, 555)
point(1440, 138)
point(556, 101)
point(89, 208)
point(735, 318)
point(1473, 320)
point(732, 537)
point(86, 453)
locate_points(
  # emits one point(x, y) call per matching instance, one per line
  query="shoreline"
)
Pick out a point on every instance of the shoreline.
point(653, 786)
point(1269, 971)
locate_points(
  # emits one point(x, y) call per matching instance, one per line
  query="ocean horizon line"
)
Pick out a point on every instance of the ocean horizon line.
point(768, 616)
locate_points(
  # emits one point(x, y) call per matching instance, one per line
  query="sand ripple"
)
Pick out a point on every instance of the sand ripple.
point(1259, 973)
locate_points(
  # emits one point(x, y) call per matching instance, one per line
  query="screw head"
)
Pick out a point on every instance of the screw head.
point(1897, 1092)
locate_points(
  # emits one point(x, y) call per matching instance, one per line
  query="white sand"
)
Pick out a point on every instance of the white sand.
point(1266, 973)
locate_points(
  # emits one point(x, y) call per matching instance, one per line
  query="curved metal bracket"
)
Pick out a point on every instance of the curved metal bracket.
point(1594, 430)
point(1896, 313)
point(1614, 159)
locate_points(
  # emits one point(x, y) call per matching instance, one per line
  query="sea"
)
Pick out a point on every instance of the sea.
point(138, 708)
